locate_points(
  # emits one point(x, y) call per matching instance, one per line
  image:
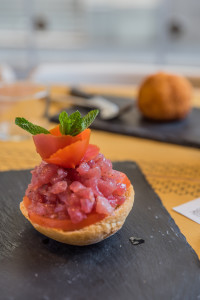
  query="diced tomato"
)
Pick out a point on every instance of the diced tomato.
point(66, 224)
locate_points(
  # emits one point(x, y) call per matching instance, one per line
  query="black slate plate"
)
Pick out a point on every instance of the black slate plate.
point(185, 132)
point(34, 267)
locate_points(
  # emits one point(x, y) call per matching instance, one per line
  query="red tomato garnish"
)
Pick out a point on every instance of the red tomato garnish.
point(91, 152)
point(66, 224)
point(47, 144)
point(70, 156)
point(56, 131)
point(63, 150)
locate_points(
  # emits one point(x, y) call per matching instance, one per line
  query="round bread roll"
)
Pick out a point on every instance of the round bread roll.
point(165, 97)
point(91, 234)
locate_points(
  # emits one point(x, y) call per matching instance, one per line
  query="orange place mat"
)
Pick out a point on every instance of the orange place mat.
point(172, 170)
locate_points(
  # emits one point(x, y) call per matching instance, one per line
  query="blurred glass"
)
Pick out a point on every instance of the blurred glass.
point(11, 95)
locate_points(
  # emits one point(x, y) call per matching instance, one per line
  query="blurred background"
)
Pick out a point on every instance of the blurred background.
point(129, 37)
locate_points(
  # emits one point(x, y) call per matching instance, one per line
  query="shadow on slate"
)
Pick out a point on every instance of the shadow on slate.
point(35, 267)
point(184, 132)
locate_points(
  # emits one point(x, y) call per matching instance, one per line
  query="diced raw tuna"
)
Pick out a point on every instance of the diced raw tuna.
point(87, 205)
point(61, 193)
point(107, 187)
point(59, 187)
point(76, 186)
point(103, 206)
point(43, 174)
point(83, 168)
point(76, 215)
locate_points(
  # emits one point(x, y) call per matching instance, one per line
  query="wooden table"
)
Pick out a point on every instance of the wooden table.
point(173, 171)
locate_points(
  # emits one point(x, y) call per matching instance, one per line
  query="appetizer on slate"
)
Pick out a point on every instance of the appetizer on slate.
point(75, 196)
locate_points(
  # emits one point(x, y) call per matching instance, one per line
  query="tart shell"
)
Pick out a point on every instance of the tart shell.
point(90, 234)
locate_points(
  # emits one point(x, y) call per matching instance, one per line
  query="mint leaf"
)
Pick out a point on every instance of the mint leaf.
point(68, 124)
point(76, 125)
point(85, 122)
point(77, 129)
point(75, 117)
point(64, 123)
point(30, 127)
point(90, 117)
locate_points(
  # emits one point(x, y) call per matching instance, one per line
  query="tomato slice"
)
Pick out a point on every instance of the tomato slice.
point(70, 156)
point(66, 224)
point(66, 151)
point(47, 144)
point(91, 152)
point(56, 131)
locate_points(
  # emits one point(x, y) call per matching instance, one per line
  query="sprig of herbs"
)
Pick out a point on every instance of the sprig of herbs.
point(69, 124)
point(74, 124)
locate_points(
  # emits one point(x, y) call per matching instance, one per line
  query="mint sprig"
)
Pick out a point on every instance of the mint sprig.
point(75, 124)
point(30, 127)
point(69, 125)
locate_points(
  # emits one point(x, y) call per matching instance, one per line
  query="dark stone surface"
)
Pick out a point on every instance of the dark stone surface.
point(184, 132)
point(34, 267)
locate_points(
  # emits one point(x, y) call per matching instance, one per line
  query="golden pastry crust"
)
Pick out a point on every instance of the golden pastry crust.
point(91, 234)
point(165, 97)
